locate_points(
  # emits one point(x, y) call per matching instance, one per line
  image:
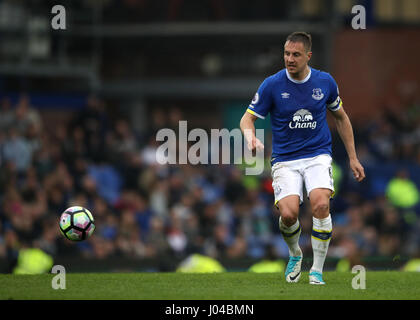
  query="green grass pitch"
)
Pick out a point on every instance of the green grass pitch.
point(386, 285)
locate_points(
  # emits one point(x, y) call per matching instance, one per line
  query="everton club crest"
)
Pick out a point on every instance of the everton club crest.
point(317, 94)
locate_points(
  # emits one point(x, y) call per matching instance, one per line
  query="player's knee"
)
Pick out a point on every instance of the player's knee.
point(321, 209)
point(288, 217)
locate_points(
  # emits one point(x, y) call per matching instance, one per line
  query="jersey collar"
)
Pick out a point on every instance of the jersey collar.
point(299, 81)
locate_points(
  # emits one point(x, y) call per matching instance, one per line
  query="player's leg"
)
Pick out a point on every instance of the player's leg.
point(321, 232)
point(291, 230)
point(320, 188)
point(289, 223)
point(287, 185)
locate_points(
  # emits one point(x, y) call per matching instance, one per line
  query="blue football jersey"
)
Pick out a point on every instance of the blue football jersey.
point(298, 111)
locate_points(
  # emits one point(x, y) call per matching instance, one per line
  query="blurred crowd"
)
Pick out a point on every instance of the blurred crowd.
point(146, 210)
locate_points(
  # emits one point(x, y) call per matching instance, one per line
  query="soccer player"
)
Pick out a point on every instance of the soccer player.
point(297, 99)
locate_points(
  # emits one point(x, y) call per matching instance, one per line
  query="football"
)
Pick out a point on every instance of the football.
point(77, 223)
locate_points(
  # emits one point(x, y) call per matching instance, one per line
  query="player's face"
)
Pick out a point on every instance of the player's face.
point(296, 57)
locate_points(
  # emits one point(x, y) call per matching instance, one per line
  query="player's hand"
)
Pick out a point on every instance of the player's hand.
point(255, 144)
point(357, 169)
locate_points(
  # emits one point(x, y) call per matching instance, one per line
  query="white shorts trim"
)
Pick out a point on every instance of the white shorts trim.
point(289, 177)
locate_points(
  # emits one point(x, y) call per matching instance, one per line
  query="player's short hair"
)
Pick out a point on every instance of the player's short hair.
point(303, 37)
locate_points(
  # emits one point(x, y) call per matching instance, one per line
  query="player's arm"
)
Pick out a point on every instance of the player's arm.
point(247, 126)
point(345, 130)
point(259, 108)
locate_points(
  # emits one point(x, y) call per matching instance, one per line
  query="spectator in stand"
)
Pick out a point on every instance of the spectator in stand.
point(402, 192)
point(16, 151)
point(27, 116)
point(7, 115)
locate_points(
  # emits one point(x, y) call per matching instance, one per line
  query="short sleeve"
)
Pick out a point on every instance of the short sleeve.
point(261, 103)
point(334, 101)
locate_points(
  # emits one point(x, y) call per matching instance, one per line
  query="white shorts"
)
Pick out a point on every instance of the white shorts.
point(289, 177)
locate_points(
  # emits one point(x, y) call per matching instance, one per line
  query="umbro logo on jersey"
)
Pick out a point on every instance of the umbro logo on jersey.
point(285, 95)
